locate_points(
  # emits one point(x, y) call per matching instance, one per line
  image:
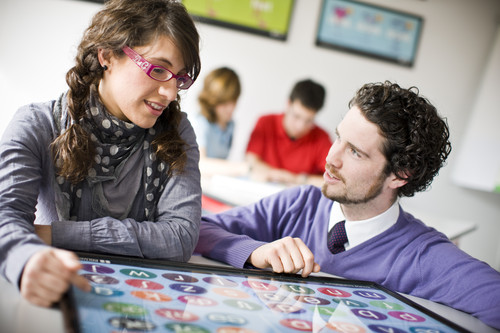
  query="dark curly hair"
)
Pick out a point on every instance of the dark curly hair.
point(417, 138)
point(120, 23)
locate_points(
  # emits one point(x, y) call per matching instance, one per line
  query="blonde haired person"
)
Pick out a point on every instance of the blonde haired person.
point(214, 124)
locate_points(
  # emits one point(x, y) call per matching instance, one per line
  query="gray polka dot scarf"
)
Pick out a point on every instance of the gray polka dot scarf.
point(115, 141)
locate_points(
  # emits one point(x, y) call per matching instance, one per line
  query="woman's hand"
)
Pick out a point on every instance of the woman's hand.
point(286, 255)
point(48, 274)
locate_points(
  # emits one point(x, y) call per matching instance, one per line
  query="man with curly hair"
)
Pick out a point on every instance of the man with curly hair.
point(390, 144)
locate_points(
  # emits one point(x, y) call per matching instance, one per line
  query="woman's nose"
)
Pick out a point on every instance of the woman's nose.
point(169, 89)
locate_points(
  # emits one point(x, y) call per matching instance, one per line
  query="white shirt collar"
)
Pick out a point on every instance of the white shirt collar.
point(360, 231)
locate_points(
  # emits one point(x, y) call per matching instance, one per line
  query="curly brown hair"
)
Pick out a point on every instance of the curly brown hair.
point(220, 86)
point(416, 138)
point(120, 23)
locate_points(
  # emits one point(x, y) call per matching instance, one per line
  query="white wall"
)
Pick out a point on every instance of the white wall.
point(476, 166)
point(454, 48)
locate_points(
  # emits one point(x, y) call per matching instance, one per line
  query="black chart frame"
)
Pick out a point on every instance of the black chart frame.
point(68, 308)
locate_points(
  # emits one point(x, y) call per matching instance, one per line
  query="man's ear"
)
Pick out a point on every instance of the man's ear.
point(397, 182)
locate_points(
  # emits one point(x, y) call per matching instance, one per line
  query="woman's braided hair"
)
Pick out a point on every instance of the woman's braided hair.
point(133, 23)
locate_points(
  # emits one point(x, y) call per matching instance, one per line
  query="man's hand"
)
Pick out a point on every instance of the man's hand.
point(286, 255)
point(48, 274)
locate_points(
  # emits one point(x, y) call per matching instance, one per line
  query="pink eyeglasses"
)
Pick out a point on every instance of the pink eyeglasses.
point(157, 73)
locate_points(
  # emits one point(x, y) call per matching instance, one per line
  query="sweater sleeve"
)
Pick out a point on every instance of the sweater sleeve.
point(218, 243)
point(233, 235)
point(454, 278)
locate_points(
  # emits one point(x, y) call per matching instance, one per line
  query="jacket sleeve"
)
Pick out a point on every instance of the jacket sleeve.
point(23, 152)
point(172, 235)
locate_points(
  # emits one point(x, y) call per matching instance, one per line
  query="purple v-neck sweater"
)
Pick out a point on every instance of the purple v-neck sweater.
point(409, 257)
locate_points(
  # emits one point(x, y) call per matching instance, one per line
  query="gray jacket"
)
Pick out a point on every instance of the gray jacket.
point(27, 196)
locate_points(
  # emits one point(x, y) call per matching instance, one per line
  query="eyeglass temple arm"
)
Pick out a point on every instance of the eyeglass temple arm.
point(136, 57)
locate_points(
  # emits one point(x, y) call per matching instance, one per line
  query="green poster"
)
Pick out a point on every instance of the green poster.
point(269, 17)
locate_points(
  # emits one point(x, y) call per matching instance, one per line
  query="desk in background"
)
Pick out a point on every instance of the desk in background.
point(223, 192)
point(235, 191)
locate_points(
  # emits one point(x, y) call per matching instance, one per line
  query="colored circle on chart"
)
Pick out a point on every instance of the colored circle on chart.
point(180, 278)
point(233, 293)
point(102, 291)
point(220, 281)
point(296, 289)
point(197, 300)
point(330, 312)
point(101, 279)
point(188, 288)
point(406, 316)
point(345, 327)
point(229, 329)
point(352, 303)
point(312, 300)
point(177, 315)
point(242, 305)
point(180, 327)
point(387, 305)
point(131, 324)
point(369, 294)
point(297, 324)
point(271, 297)
point(334, 292)
point(285, 308)
point(93, 268)
point(384, 329)
point(369, 314)
point(227, 318)
point(151, 296)
point(260, 285)
point(144, 284)
point(138, 273)
point(125, 308)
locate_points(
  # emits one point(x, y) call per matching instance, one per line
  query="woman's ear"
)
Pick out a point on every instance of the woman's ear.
point(104, 57)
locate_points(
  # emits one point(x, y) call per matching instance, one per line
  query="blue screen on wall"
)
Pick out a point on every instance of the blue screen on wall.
point(369, 30)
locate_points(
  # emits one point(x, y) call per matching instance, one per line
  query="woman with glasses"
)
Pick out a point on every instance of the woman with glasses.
point(111, 165)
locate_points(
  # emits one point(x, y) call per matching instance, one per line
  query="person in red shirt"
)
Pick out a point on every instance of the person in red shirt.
point(289, 147)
